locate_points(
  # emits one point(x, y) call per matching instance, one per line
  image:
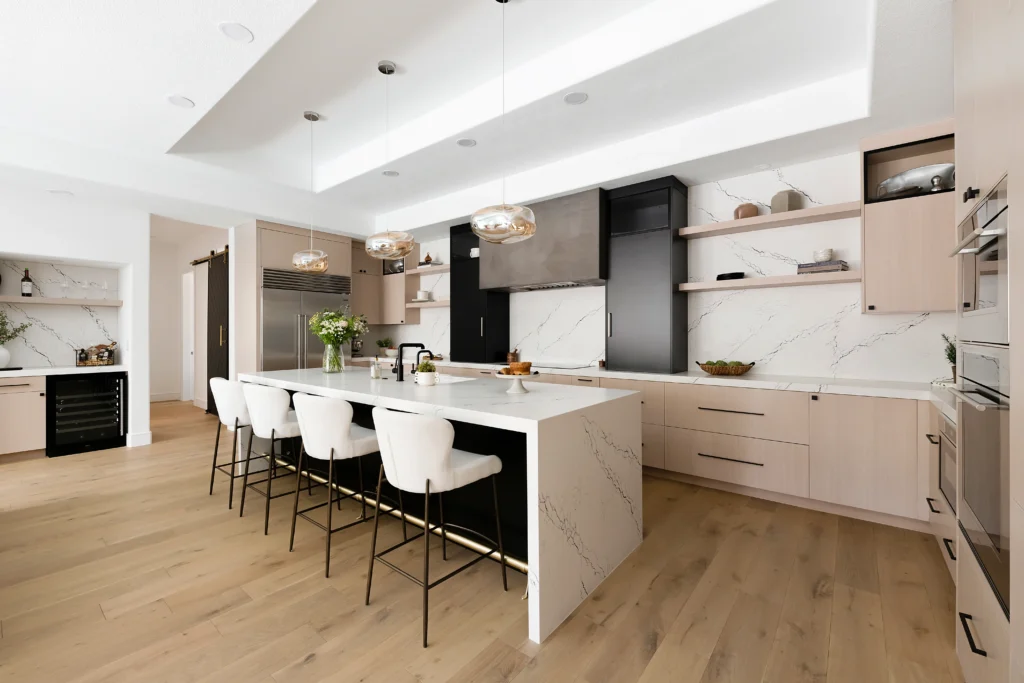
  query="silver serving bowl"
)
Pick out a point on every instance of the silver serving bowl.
point(921, 180)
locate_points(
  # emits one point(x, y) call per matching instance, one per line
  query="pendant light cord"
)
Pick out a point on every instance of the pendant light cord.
point(387, 138)
point(504, 137)
point(312, 192)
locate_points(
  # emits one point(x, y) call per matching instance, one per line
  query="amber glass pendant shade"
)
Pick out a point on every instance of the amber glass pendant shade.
point(504, 224)
point(390, 245)
point(310, 261)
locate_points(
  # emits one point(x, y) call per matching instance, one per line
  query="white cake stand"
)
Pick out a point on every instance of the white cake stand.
point(517, 383)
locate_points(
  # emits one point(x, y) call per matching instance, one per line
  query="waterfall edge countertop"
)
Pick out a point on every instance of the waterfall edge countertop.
point(584, 478)
point(480, 401)
point(62, 370)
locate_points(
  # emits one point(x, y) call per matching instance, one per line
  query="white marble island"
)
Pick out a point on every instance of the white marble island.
point(584, 503)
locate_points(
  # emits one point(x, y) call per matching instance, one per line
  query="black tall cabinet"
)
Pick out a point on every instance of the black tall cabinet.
point(646, 314)
point(216, 324)
point(480, 327)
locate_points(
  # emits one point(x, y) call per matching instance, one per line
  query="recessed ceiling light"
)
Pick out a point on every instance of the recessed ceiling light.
point(466, 142)
point(181, 101)
point(235, 32)
point(389, 174)
point(575, 98)
point(61, 193)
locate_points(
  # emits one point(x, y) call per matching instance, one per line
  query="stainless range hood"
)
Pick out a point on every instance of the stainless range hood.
point(570, 248)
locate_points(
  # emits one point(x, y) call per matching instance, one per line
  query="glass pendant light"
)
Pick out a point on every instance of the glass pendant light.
point(389, 245)
point(504, 223)
point(310, 260)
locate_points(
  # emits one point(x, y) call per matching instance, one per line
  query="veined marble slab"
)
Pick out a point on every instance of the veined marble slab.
point(583, 465)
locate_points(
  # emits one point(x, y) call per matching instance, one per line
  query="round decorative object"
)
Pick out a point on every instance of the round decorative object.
point(517, 383)
point(426, 379)
point(728, 370)
point(745, 211)
point(390, 245)
point(823, 255)
point(503, 224)
point(310, 261)
point(391, 353)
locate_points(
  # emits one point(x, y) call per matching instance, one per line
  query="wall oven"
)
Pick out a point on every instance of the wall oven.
point(984, 282)
point(983, 424)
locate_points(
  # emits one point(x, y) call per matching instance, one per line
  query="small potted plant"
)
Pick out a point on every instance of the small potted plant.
point(950, 350)
point(335, 328)
point(426, 374)
point(387, 345)
point(8, 333)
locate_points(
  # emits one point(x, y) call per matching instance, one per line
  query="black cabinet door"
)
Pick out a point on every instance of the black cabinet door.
point(467, 312)
point(216, 325)
point(639, 302)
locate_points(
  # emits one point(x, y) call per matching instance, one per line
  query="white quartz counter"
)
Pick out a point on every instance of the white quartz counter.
point(478, 401)
point(61, 370)
point(816, 385)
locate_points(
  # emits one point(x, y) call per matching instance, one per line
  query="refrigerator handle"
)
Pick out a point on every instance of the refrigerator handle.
point(300, 357)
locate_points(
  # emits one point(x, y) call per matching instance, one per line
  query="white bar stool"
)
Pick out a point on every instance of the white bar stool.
point(417, 456)
point(271, 419)
point(233, 414)
point(329, 435)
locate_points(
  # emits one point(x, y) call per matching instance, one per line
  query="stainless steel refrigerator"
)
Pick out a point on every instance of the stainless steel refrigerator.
point(288, 301)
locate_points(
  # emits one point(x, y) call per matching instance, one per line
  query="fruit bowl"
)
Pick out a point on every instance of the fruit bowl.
point(728, 370)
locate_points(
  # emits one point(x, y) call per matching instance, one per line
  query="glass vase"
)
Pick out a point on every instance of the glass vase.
point(334, 360)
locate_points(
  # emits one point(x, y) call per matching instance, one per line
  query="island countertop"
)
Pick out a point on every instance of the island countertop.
point(479, 401)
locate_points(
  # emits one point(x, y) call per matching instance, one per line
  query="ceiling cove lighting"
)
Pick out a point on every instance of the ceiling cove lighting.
point(389, 245)
point(235, 31)
point(310, 260)
point(504, 223)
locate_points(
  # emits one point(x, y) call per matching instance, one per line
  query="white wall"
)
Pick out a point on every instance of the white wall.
point(174, 245)
point(44, 228)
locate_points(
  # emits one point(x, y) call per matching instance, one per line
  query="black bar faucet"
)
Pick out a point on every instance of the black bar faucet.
point(400, 366)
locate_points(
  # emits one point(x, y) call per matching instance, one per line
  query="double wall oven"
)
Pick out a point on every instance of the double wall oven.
point(983, 390)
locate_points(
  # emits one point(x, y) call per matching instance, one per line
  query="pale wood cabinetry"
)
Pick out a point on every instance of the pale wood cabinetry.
point(277, 247)
point(338, 250)
point(989, 627)
point(863, 453)
point(907, 268)
point(758, 413)
point(394, 295)
point(363, 262)
point(652, 400)
point(367, 294)
point(653, 443)
point(22, 414)
point(278, 242)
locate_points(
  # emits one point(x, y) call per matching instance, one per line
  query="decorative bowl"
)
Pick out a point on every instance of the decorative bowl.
point(823, 255)
point(391, 353)
point(426, 379)
point(517, 383)
point(727, 370)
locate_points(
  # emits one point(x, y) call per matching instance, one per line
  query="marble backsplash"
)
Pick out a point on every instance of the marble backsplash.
point(57, 330)
point(810, 331)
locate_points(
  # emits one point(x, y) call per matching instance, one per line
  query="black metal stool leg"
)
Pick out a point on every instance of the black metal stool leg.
point(426, 557)
point(234, 455)
point(444, 535)
point(216, 447)
point(497, 521)
point(298, 489)
point(330, 499)
point(245, 476)
point(362, 486)
point(271, 466)
point(401, 510)
point(373, 541)
point(309, 483)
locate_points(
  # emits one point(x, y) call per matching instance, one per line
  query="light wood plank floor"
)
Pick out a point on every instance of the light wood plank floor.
point(117, 566)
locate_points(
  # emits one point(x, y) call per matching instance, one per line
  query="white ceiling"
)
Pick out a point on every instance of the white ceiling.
point(686, 86)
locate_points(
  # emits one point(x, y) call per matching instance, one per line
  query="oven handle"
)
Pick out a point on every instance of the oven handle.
point(974, 404)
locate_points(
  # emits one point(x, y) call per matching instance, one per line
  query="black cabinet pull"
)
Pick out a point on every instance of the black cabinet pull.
point(970, 194)
point(931, 438)
point(970, 639)
point(948, 542)
point(871, 308)
point(742, 462)
point(580, 379)
point(932, 507)
point(734, 412)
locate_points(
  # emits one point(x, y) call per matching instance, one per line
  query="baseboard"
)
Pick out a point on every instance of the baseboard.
point(796, 501)
point(160, 398)
point(199, 403)
point(140, 439)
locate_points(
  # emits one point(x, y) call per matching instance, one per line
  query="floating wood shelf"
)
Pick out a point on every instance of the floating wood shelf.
point(430, 270)
point(817, 214)
point(38, 300)
point(443, 303)
point(773, 281)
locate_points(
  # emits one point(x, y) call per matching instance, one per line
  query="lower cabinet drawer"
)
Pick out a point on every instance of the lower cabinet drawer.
point(653, 445)
point(585, 381)
point(944, 528)
point(979, 621)
point(21, 385)
point(22, 422)
point(768, 465)
point(949, 552)
point(758, 413)
point(547, 378)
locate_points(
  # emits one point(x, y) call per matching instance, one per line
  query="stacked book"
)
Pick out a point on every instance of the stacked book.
point(823, 267)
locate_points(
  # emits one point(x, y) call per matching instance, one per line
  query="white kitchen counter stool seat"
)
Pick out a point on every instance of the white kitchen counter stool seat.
point(417, 457)
point(271, 418)
point(329, 435)
point(233, 414)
